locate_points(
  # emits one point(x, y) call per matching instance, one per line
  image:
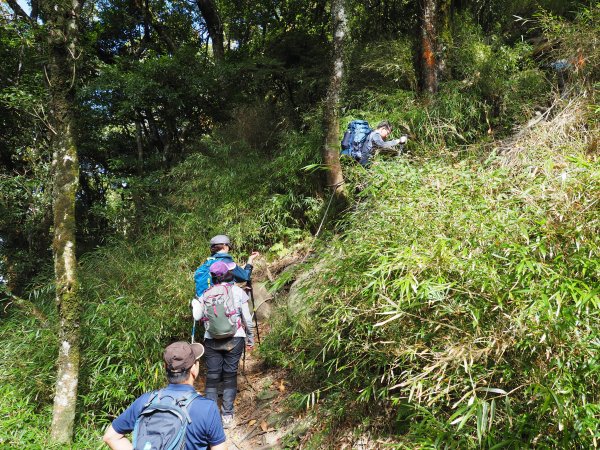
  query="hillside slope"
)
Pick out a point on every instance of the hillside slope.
point(459, 307)
point(454, 303)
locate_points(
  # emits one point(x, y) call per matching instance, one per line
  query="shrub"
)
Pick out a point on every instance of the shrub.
point(460, 304)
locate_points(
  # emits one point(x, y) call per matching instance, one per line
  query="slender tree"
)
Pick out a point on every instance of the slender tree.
point(62, 18)
point(331, 154)
point(428, 38)
point(211, 16)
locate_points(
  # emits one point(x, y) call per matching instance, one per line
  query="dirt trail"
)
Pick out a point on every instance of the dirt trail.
point(258, 407)
point(260, 419)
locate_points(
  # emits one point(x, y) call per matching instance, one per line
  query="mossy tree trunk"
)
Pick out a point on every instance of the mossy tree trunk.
point(62, 20)
point(331, 152)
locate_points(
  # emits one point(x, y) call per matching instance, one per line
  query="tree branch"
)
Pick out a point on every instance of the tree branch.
point(19, 11)
point(29, 308)
point(160, 29)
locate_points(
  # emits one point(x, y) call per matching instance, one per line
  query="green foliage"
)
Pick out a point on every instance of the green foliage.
point(136, 292)
point(504, 78)
point(488, 87)
point(24, 155)
point(575, 41)
point(491, 268)
point(384, 65)
point(461, 303)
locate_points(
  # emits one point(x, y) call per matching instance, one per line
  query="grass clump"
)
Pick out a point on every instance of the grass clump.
point(459, 306)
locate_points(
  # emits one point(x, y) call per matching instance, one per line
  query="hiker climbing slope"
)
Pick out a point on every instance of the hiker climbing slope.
point(220, 246)
point(377, 139)
point(360, 140)
point(223, 308)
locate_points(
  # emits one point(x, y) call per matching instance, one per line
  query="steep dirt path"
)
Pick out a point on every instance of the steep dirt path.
point(261, 420)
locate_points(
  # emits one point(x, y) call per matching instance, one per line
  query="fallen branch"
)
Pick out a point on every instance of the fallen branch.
point(28, 307)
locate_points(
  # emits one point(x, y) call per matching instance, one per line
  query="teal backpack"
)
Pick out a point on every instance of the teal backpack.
point(163, 421)
point(202, 278)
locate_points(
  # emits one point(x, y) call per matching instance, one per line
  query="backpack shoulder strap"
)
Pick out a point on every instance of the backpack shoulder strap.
point(154, 397)
point(185, 402)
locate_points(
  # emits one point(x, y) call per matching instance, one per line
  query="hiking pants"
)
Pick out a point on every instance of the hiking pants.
point(222, 361)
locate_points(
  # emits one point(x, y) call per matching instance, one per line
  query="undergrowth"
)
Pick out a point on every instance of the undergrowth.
point(136, 291)
point(459, 308)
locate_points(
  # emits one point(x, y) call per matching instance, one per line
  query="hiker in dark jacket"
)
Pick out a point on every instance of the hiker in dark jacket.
point(376, 139)
point(220, 246)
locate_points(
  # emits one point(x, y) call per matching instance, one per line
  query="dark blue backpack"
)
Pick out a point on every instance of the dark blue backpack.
point(163, 422)
point(354, 138)
point(202, 278)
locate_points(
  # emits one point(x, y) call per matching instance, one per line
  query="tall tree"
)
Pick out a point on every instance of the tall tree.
point(428, 40)
point(62, 17)
point(331, 154)
point(211, 16)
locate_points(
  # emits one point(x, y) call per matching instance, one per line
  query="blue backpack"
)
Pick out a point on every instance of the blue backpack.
point(354, 138)
point(202, 278)
point(163, 422)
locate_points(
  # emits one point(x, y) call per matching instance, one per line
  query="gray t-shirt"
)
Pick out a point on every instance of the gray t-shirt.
point(374, 140)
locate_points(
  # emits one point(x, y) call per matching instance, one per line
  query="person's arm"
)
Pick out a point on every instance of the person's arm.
point(247, 318)
point(379, 142)
point(116, 441)
point(222, 446)
point(251, 258)
point(244, 274)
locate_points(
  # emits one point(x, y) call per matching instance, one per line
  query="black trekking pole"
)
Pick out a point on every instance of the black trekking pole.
point(249, 283)
point(403, 140)
point(244, 361)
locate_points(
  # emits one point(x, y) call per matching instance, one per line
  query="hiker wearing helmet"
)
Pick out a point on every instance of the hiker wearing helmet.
point(223, 308)
point(377, 139)
point(220, 246)
point(149, 418)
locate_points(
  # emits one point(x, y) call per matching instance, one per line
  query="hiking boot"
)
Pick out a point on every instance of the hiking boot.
point(228, 421)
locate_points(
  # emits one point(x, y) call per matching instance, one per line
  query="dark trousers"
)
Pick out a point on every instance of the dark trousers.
point(222, 360)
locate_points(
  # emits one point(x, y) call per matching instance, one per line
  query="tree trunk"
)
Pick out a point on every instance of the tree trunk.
point(331, 152)
point(209, 12)
point(444, 20)
point(140, 147)
point(428, 65)
point(137, 200)
point(62, 23)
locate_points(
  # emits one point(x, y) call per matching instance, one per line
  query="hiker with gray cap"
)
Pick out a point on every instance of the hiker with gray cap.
point(175, 416)
point(220, 246)
point(377, 139)
point(223, 309)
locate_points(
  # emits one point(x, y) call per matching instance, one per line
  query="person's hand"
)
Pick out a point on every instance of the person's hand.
point(252, 256)
point(249, 347)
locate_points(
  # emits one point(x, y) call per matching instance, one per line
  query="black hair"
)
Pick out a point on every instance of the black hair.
point(225, 278)
point(215, 248)
point(178, 377)
point(385, 124)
